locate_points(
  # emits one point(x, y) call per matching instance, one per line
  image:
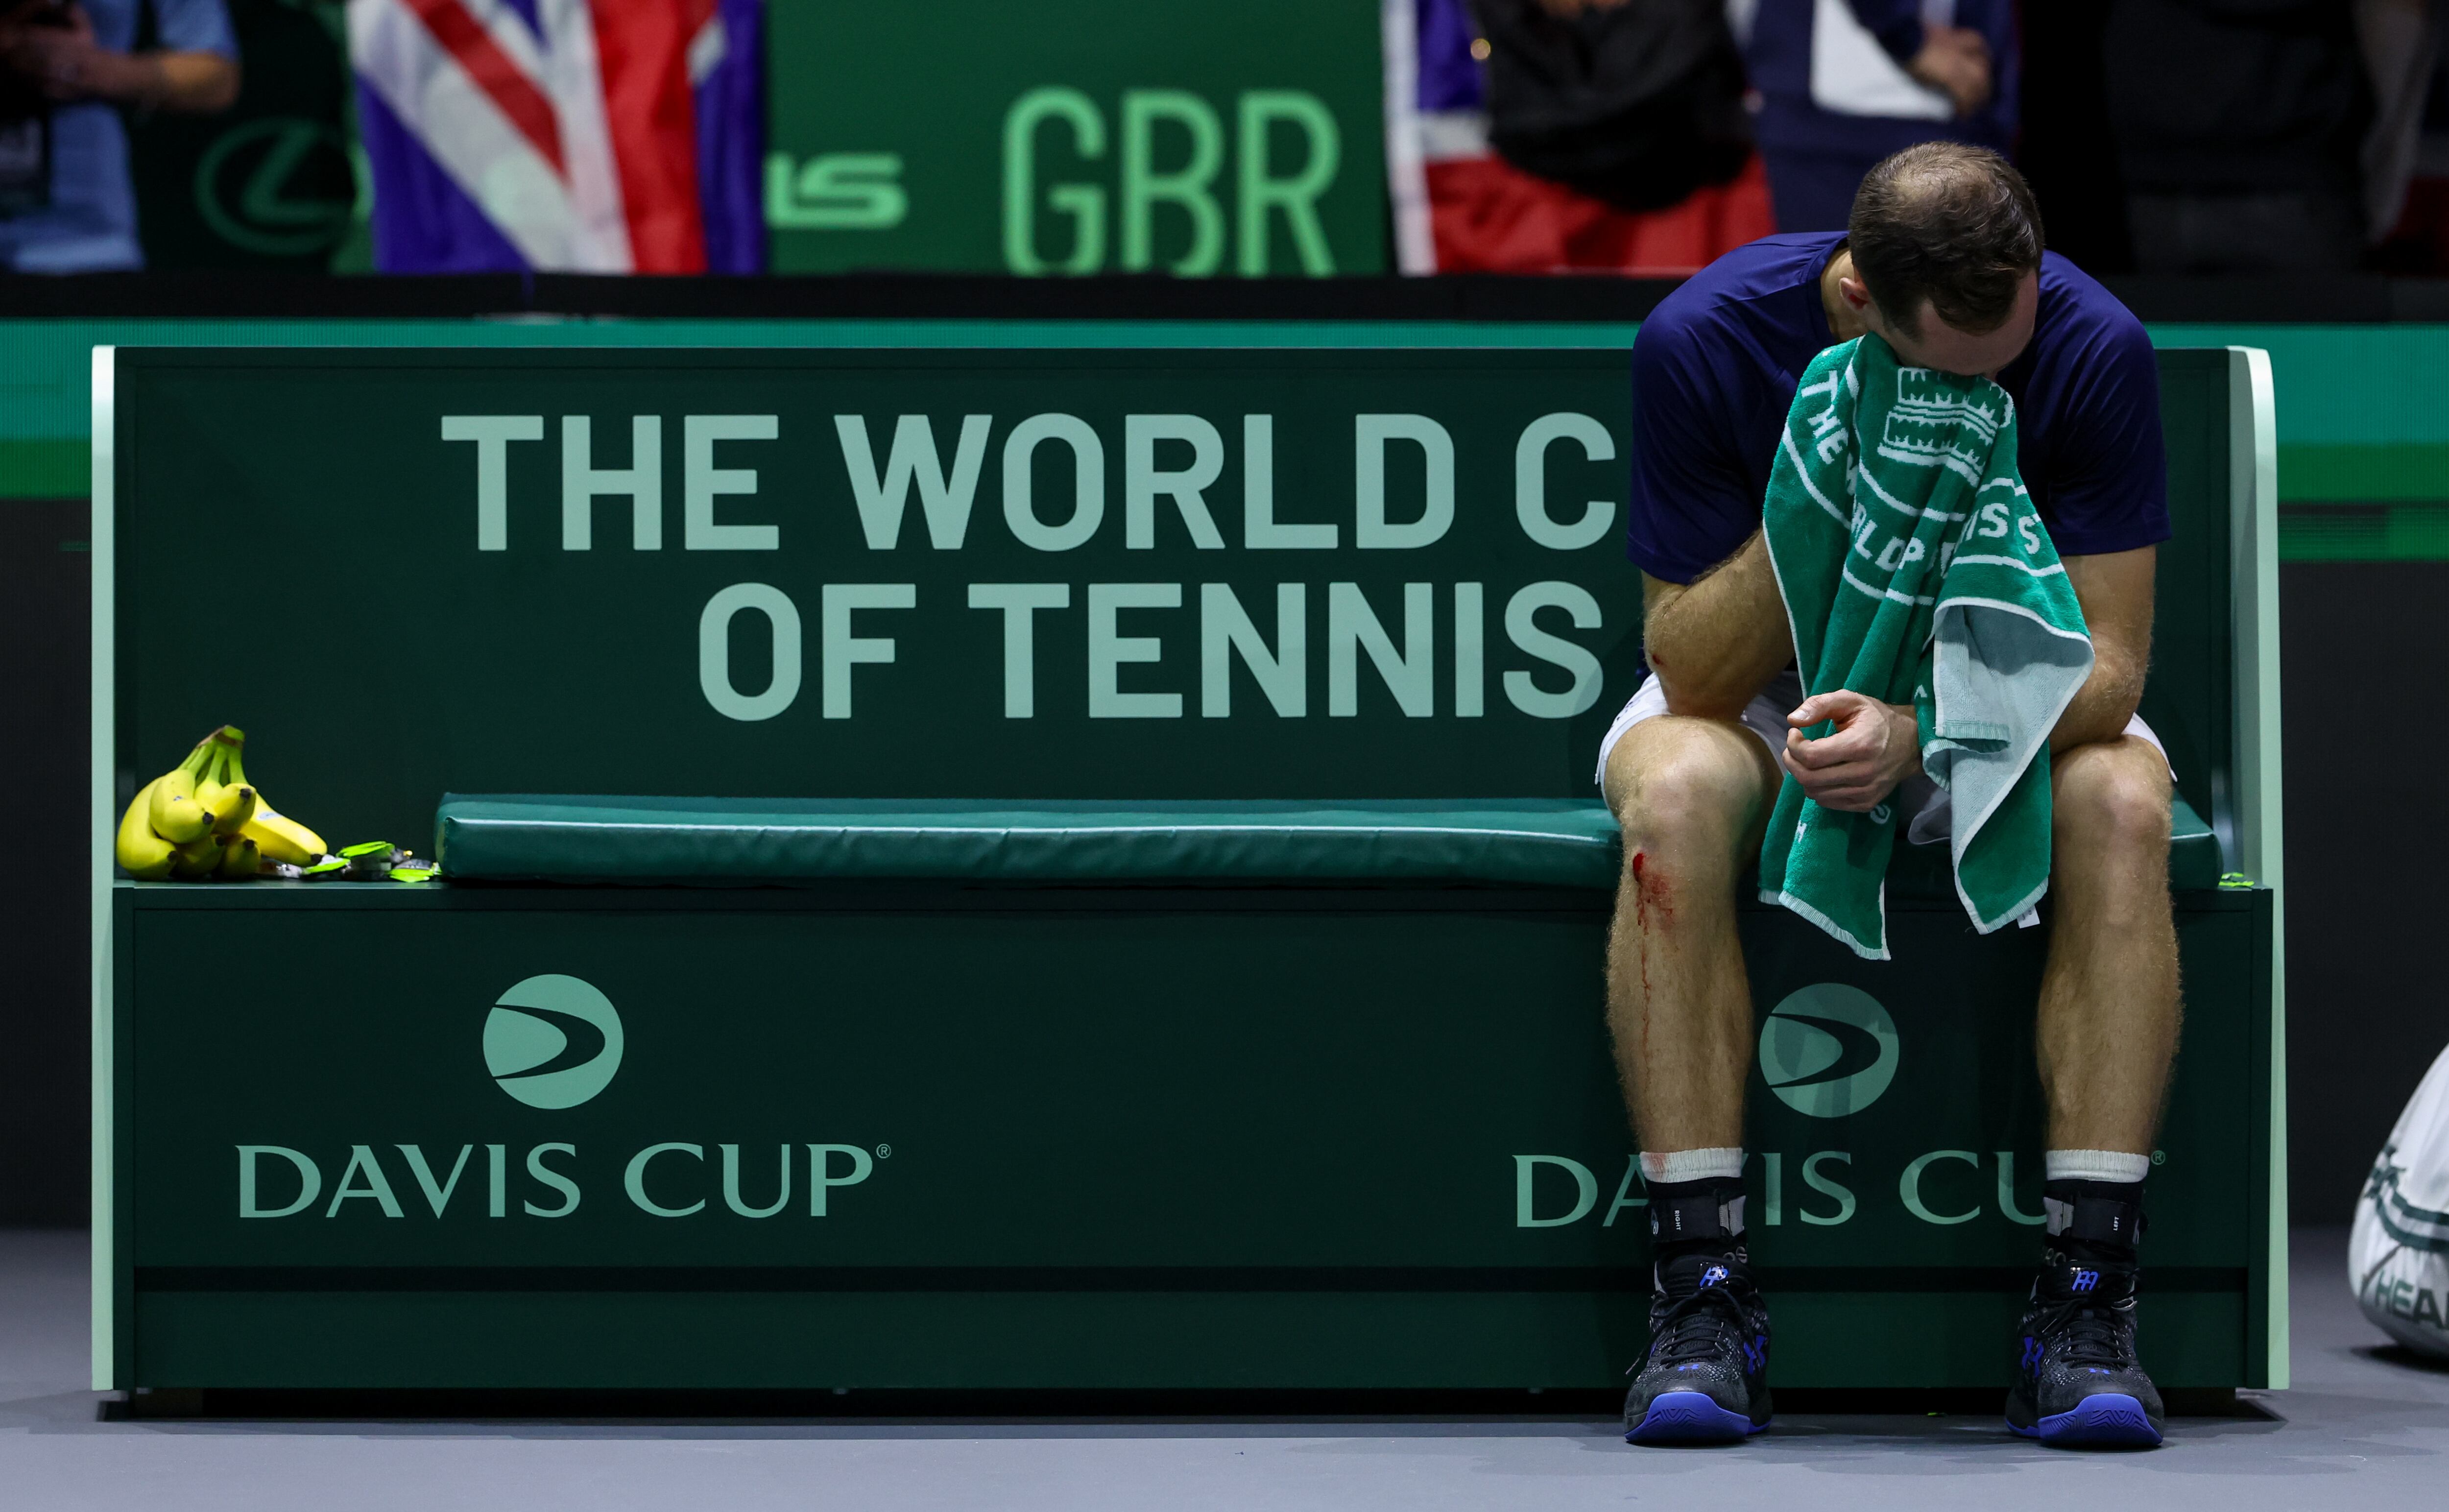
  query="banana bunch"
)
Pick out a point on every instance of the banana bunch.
point(203, 818)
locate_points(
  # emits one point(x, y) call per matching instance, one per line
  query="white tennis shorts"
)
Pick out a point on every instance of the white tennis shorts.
point(1923, 801)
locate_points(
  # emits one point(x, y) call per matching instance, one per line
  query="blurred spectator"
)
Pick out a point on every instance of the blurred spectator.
point(1635, 104)
point(1624, 125)
point(66, 201)
point(1845, 82)
point(2239, 125)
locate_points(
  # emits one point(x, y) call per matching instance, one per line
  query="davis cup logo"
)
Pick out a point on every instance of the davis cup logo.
point(1828, 1050)
point(552, 1041)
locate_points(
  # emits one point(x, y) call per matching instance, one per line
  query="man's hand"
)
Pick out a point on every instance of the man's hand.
point(1855, 767)
point(63, 62)
point(67, 65)
point(1956, 61)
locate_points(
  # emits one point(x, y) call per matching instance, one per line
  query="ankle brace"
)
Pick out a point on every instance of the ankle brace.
point(2094, 1222)
point(1689, 1215)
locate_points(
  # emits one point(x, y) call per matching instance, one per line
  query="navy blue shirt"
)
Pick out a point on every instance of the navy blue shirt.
point(1778, 57)
point(1714, 370)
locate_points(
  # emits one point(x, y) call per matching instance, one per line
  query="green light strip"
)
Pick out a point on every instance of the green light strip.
point(2365, 532)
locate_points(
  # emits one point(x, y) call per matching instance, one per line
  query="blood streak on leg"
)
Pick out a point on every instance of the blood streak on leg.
point(1647, 890)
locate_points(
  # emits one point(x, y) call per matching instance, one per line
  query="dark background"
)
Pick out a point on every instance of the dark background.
point(2364, 1018)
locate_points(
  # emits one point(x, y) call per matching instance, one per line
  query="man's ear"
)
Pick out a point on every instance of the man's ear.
point(1856, 294)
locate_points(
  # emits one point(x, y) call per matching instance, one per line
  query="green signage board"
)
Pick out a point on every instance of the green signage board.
point(986, 575)
point(1096, 137)
point(914, 1136)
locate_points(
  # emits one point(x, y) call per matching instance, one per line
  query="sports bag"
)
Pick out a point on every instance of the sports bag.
point(2398, 1254)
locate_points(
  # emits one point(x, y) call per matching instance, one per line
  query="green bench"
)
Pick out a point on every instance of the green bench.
point(1503, 843)
point(1128, 1080)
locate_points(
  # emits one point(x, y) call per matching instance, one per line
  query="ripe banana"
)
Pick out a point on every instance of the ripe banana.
point(240, 856)
point(209, 780)
point(276, 834)
point(146, 855)
point(232, 808)
point(197, 858)
point(173, 811)
point(283, 839)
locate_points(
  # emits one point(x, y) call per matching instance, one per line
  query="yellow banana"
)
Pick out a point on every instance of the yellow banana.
point(240, 856)
point(197, 858)
point(232, 808)
point(144, 854)
point(211, 779)
point(173, 812)
point(279, 837)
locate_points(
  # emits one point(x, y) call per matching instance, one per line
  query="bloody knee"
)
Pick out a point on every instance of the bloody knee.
point(1682, 792)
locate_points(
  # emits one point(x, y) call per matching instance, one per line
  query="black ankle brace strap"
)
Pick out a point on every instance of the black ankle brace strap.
point(2094, 1218)
point(1701, 1216)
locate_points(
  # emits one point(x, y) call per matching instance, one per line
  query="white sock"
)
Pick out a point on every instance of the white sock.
point(2076, 1165)
point(1725, 1162)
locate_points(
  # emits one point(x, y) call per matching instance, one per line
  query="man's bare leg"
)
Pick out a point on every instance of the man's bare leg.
point(2107, 1031)
point(1691, 796)
point(2108, 1010)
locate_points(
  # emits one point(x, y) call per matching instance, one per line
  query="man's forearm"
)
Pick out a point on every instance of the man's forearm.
point(2102, 706)
point(2116, 594)
point(197, 82)
point(1716, 643)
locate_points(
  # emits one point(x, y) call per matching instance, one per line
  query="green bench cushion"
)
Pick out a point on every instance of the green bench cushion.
point(1525, 841)
point(1555, 843)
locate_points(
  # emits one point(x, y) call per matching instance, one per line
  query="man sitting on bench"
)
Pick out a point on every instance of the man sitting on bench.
point(1943, 259)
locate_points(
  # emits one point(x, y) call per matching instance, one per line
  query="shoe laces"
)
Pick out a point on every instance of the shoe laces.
point(1692, 1326)
point(2089, 1330)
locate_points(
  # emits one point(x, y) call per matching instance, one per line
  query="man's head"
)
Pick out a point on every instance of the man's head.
point(1946, 247)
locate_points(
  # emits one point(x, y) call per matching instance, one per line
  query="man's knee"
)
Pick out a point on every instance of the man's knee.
point(2111, 798)
point(1675, 781)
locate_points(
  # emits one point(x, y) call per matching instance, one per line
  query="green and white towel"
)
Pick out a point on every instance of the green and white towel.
point(1914, 567)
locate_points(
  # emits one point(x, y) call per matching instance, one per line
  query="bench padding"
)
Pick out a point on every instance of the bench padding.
point(1554, 843)
point(1521, 841)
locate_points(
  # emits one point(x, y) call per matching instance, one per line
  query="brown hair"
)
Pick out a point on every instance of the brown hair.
point(1950, 223)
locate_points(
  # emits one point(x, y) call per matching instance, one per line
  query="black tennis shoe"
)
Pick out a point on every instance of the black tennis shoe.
point(1706, 1378)
point(2079, 1383)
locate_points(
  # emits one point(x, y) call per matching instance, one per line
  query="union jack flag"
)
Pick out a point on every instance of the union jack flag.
point(584, 136)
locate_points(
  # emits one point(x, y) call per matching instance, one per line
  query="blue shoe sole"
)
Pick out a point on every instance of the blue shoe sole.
point(2108, 1420)
point(1689, 1417)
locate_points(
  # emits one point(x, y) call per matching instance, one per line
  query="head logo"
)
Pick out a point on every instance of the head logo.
point(1828, 1050)
point(552, 1041)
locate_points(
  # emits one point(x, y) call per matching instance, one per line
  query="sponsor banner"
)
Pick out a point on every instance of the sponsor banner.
point(710, 1082)
point(1028, 575)
point(1195, 139)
